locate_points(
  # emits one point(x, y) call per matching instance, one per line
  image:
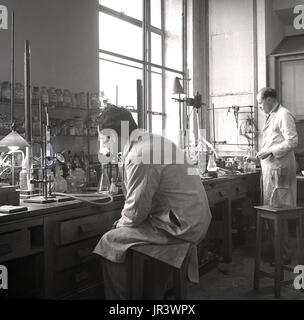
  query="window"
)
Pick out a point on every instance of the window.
point(142, 40)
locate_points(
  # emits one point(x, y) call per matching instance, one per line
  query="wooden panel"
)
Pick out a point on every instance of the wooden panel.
point(14, 244)
point(82, 277)
point(73, 255)
point(92, 293)
point(84, 228)
point(292, 78)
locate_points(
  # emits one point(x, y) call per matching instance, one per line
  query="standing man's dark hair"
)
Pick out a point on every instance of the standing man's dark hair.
point(268, 93)
point(112, 116)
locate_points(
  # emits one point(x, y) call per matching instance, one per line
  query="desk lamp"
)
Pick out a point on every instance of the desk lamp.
point(179, 92)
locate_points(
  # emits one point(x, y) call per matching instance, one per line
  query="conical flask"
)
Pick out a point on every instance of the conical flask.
point(211, 163)
point(104, 182)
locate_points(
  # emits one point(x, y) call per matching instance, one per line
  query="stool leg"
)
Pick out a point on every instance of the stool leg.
point(180, 281)
point(278, 258)
point(257, 261)
point(137, 276)
point(227, 230)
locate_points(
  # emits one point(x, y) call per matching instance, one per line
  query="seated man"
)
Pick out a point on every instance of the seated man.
point(165, 201)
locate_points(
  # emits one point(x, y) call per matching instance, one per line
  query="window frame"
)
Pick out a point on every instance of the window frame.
point(146, 63)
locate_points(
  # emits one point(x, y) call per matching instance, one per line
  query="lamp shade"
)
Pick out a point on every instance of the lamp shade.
point(177, 87)
point(14, 140)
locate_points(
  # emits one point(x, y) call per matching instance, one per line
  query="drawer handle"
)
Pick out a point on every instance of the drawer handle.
point(220, 194)
point(81, 276)
point(84, 253)
point(86, 228)
point(5, 249)
point(237, 189)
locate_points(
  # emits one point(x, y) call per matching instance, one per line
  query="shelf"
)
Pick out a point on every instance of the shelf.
point(50, 107)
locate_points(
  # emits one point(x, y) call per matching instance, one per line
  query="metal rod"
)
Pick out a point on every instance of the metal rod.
point(13, 169)
point(226, 108)
point(87, 163)
point(149, 69)
point(27, 93)
point(140, 114)
point(13, 71)
point(213, 120)
point(145, 63)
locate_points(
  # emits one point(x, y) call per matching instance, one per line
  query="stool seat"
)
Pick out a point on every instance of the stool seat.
point(278, 216)
point(175, 256)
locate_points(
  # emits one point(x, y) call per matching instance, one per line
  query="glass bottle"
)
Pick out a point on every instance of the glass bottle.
point(71, 181)
point(44, 95)
point(60, 184)
point(59, 94)
point(53, 99)
point(67, 98)
point(104, 183)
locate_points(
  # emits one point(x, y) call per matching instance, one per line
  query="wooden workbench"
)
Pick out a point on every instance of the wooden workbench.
point(49, 248)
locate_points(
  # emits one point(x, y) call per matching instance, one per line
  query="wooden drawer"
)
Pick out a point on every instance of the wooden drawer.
point(14, 244)
point(217, 195)
point(76, 254)
point(74, 230)
point(239, 188)
point(77, 279)
point(253, 183)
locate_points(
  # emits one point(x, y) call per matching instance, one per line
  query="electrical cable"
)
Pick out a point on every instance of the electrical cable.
point(81, 197)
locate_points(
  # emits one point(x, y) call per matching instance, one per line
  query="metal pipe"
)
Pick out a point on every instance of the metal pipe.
point(13, 72)
point(27, 93)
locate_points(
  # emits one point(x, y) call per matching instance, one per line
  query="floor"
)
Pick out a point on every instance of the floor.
point(234, 281)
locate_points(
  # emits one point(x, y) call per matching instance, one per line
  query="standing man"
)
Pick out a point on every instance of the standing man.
point(277, 157)
point(165, 202)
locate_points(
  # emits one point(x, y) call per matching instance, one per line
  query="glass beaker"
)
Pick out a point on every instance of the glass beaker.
point(280, 190)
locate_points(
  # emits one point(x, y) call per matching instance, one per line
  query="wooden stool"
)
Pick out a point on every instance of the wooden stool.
point(278, 216)
point(159, 254)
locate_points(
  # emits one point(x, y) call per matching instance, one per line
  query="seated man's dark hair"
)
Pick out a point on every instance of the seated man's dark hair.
point(112, 116)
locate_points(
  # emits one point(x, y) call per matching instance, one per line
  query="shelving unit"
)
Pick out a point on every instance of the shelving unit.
point(74, 143)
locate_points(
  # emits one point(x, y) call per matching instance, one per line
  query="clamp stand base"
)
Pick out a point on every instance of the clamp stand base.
point(40, 200)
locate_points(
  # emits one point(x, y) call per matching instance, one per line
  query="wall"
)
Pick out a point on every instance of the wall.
point(64, 42)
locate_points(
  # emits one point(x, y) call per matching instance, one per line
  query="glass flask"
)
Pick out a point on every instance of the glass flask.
point(104, 183)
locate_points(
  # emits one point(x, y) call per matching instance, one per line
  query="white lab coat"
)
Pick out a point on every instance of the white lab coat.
point(152, 192)
point(280, 138)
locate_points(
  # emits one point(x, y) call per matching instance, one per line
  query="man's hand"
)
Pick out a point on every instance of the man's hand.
point(264, 155)
point(115, 224)
point(251, 159)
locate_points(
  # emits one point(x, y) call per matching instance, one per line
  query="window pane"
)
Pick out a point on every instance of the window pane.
point(119, 36)
point(157, 124)
point(132, 8)
point(172, 108)
point(119, 78)
point(156, 45)
point(156, 13)
point(173, 34)
point(157, 91)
